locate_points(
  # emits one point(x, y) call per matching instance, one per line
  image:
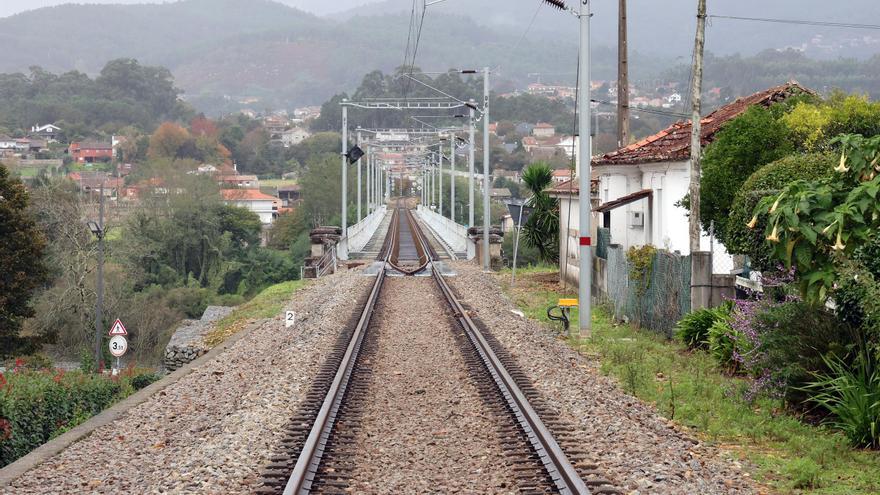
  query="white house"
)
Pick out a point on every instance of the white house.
point(48, 132)
point(6, 142)
point(673, 98)
point(264, 205)
point(635, 190)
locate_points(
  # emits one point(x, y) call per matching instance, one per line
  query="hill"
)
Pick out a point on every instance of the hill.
point(225, 51)
point(229, 54)
point(666, 29)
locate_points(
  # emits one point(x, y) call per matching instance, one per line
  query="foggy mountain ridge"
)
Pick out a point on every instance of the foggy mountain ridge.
point(224, 52)
point(221, 51)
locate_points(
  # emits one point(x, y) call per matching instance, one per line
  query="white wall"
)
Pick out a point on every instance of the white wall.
point(262, 208)
point(670, 224)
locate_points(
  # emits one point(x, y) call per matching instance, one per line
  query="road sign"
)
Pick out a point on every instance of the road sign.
point(118, 346)
point(118, 329)
point(289, 319)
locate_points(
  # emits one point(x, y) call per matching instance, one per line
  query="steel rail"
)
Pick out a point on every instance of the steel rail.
point(303, 475)
point(560, 469)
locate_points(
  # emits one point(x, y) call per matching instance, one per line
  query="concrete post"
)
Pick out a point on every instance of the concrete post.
point(359, 217)
point(471, 158)
point(701, 280)
point(452, 179)
point(344, 171)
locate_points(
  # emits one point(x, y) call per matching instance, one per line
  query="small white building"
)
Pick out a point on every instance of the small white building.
point(264, 205)
point(636, 189)
point(48, 132)
point(6, 142)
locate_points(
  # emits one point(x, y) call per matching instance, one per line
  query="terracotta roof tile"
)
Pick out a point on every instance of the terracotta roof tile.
point(245, 195)
point(674, 142)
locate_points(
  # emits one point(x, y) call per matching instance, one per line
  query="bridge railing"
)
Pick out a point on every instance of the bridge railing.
point(452, 233)
point(360, 233)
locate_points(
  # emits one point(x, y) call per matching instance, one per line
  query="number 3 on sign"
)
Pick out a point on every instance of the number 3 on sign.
point(289, 319)
point(118, 346)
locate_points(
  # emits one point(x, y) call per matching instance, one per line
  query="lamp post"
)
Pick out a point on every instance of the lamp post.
point(97, 228)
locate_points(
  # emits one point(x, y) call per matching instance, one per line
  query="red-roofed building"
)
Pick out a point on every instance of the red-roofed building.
point(641, 183)
point(91, 151)
point(264, 205)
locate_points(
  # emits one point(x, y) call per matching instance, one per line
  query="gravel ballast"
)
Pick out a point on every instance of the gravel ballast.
point(213, 430)
point(425, 428)
point(640, 451)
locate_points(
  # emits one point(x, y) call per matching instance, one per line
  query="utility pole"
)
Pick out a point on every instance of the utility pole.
point(359, 180)
point(471, 161)
point(486, 183)
point(696, 151)
point(622, 78)
point(99, 303)
point(344, 169)
point(696, 128)
point(585, 251)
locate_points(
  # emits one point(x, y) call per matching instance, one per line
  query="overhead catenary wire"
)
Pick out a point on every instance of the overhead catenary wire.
point(848, 25)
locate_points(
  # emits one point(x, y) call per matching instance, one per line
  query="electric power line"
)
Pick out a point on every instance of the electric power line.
point(848, 25)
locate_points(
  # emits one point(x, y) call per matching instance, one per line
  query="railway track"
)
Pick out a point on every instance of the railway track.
point(320, 450)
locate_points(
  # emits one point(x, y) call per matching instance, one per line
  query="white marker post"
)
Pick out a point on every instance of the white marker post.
point(289, 319)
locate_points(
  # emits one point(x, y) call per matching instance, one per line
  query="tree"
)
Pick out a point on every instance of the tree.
point(542, 229)
point(168, 141)
point(744, 145)
point(21, 259)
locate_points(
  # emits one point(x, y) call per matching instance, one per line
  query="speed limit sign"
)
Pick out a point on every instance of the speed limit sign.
point(118, 345)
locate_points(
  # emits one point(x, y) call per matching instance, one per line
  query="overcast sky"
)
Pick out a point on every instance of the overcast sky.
point(9, 7)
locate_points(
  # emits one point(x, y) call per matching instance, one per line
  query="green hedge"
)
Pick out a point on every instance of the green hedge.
point(36, 406)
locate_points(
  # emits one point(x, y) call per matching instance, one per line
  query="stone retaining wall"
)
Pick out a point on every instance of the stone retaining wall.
point(187, 343)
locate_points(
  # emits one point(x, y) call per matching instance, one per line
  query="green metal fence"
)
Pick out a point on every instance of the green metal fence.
point(658, 301)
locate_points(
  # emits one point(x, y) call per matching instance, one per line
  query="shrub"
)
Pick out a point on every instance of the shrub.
point(851, 393)
point(693, 329)
point(144, 380)
point(744, 145)
point(725, 343)
point(739, 239)
point(796, 339)
point(191, 301)
point(37, 406)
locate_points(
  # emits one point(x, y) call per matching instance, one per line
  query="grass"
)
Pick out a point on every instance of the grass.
point(783, 453)
point(266, 304)
point(278, 182)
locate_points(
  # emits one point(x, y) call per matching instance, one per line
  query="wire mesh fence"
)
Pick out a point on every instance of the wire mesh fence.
point(655, 301)
point(603, 240)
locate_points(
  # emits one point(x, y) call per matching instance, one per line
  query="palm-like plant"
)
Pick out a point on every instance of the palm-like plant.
point(542, 229)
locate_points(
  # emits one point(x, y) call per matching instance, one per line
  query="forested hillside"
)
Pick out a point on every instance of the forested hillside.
point(125, 93)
